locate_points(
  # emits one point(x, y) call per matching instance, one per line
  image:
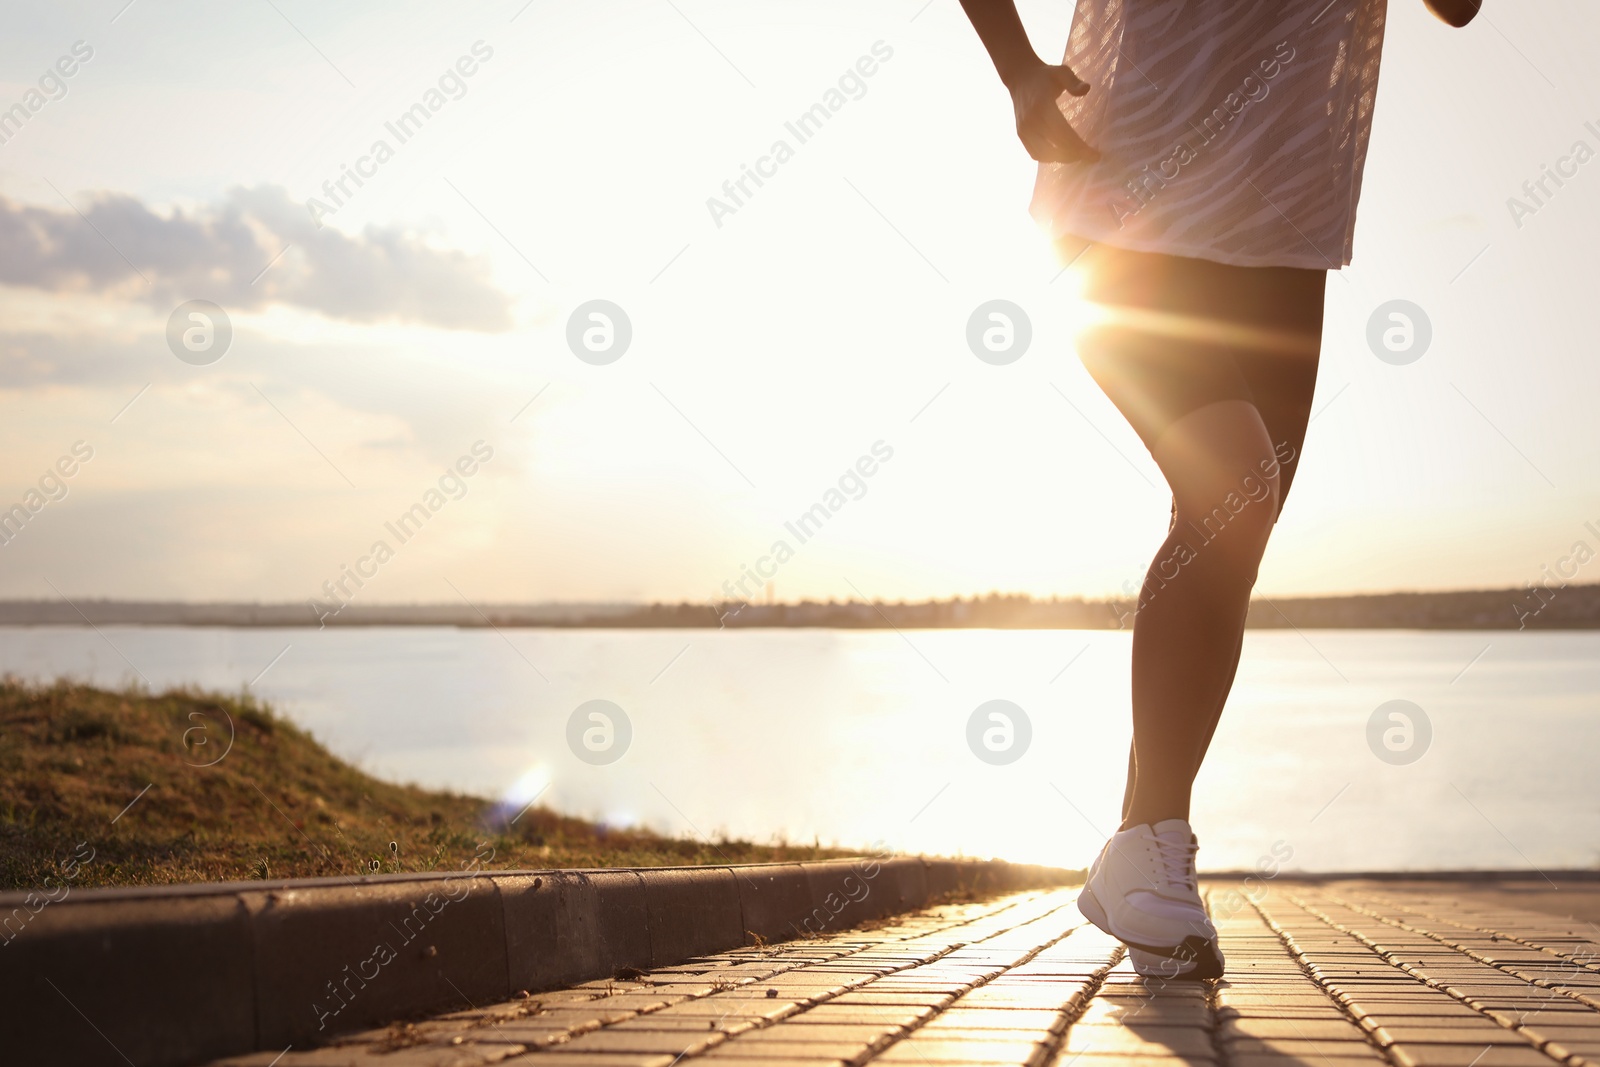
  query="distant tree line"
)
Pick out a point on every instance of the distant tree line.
point(1547, 607)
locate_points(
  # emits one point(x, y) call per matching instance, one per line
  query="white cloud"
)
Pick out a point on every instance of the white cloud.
point(254, 249)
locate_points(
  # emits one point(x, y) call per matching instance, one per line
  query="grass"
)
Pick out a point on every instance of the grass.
point(75, 762)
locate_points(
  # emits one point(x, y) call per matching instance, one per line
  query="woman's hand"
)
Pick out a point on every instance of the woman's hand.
point(1456, 12)
point(1034, 84)
point(1045, 131)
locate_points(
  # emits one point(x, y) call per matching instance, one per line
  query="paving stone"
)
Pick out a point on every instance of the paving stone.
point(1118, 1059)
point(1144, 1012)
point(731, 1006)
point(1467, 1056)
point(1307, 1029)
point(640, 1001)
point(580, 1015)
point(1309, 1048)
point(873, 996)
point(1307, 1014)
point(976, 1018)
point(1478, 1031)
point(903, 1015)
point(590, 1059)
point(1235, 995)
point(1443, 1008)
point(1589, 1031)
point(660, 1020)
point(1048, 999)
point(1151, 1041)
point(791, 1050)
point(612, 1039)
point(361, 1056)
point(953, 1050)
point(801, 1028)
point(535, 1035)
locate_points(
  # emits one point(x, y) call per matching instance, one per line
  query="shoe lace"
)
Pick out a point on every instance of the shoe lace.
point(1177, 860)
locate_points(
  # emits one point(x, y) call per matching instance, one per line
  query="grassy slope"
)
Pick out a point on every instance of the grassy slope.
point(278, 805)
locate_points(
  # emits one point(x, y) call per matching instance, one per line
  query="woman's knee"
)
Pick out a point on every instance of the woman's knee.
point(1230, 519)
point(1220, 463)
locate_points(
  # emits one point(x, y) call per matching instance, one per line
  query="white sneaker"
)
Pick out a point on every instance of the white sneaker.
point(1142, 890)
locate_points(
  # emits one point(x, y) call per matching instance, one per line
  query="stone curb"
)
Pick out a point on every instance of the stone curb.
point(173, 975)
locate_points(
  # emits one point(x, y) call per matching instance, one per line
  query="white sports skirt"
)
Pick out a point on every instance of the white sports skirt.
point(1230, 130)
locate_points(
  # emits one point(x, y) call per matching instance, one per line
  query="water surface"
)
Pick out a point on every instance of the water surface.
point(861, 736)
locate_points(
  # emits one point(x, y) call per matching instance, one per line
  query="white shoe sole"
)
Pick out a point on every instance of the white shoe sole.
point(1197, 969)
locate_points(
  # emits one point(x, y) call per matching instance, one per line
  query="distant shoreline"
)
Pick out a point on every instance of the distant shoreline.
point(1572, 607)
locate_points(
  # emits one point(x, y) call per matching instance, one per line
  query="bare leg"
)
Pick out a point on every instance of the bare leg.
point(1205, 741)
point(1214, 367)
point(1187, 634)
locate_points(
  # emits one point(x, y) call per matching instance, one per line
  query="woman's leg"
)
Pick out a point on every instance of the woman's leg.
point(1210, 711)
point(1186, 635)
point(1283, 390)
point(1214, 367)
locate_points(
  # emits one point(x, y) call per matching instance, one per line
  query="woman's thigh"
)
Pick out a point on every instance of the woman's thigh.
point(1176, 334)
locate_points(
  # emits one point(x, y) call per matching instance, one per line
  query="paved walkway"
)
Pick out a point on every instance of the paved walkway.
point(1331, 975)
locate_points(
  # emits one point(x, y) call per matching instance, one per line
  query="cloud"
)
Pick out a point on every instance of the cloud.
point(220, 252)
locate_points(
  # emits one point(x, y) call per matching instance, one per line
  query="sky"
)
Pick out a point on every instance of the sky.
point(389, 337)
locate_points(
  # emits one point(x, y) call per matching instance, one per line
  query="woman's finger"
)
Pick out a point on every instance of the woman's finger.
point(1069, 82)
point(1055, 143)
point(1044, 130)
point(1039, 148)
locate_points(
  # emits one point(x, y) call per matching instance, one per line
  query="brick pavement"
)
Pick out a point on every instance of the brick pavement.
point(1333, 974)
